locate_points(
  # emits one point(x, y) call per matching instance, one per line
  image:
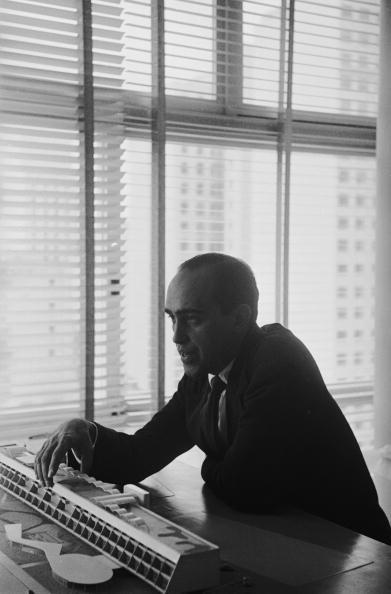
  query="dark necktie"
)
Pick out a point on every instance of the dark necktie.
point(211, 415)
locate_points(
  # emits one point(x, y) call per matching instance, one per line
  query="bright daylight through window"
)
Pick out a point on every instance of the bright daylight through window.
point(246, 127)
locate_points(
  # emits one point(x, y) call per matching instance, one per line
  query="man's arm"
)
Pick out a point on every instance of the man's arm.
point(113, 456)
point(122, 458)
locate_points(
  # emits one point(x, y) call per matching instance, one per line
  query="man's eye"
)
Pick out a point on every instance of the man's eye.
point(193, 319)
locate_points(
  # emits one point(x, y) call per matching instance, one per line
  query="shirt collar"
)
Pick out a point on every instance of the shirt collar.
point(223, 375)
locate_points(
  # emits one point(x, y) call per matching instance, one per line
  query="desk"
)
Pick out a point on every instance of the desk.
point(289, 552)
point(285, 553)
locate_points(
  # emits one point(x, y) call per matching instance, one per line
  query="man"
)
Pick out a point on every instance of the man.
point(272, 433)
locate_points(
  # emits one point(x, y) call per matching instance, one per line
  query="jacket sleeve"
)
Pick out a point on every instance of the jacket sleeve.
point(265, 455)
point(122, 458)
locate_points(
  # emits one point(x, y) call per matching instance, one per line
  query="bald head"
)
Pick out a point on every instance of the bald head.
point(231, 281)
point(212, 302)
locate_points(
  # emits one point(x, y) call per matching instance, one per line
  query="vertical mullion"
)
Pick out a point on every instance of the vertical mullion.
point(288, 150)
point(382, 402)
point(158, 204)
point(89, 226)
point(284, 166)
point(280, 169)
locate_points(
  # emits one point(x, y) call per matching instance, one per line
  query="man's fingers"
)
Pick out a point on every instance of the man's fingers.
point(49, 458)
point(42, 462)
point(37, 467)
point(71, 435)
point(57, 456)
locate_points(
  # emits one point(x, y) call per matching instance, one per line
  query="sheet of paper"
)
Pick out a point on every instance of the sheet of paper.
point(287, 560)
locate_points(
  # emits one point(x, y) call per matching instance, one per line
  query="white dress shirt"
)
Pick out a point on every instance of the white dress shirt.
point(222, 413)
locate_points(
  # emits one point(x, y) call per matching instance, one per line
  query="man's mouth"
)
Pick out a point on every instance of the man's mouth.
point(187, 356)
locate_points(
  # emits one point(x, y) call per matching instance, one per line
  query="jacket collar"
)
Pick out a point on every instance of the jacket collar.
point(247, 347)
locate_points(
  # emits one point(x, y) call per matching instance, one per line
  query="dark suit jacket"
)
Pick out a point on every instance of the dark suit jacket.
point(289, 442)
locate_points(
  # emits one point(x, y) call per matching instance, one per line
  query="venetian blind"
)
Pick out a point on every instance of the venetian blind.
point(332, 191)
point(256, 95)
point(43, 325)
point(108, 106)
point(336, 57)
point(41, 218)
point(139, 272)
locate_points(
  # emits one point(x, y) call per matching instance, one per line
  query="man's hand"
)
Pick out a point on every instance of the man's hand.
point(74, 435)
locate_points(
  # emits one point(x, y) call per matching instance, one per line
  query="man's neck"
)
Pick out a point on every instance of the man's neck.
point(223, 374)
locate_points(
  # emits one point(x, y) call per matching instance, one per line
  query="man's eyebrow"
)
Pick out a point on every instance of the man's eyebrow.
point(185, 311)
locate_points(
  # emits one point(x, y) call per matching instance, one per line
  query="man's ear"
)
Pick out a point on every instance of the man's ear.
point(243, 315)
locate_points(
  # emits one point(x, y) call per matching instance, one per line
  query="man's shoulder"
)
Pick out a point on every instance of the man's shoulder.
point(277, 363)
point(273, 347)
point(274, 330)
point(271, 338)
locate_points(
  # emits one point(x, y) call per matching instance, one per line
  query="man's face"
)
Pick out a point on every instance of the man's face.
point(206, 338)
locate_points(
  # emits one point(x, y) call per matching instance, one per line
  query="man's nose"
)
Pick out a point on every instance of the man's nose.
point(179, 332)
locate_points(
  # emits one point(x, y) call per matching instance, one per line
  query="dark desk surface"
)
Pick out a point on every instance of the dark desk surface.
point(289, 552)
point(265, 554)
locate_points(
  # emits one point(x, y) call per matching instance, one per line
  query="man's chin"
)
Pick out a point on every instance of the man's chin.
point(192, 369)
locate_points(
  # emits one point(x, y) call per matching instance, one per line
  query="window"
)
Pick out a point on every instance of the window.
point(343, 199)
point(342, 245)
point(360, 200)
point(341, 334)
point(346, 83)
point(342, 292)
point(234, 140)
point(343, 222)
point(361, 176)
point(343, 175)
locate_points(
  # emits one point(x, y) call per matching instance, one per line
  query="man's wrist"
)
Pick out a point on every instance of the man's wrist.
point(93, 432)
